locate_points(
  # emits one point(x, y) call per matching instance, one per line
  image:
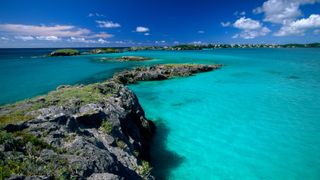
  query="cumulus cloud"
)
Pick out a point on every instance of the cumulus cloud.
point(34, 30)
point(250, 28)
point(225, 24)
point(107, 24)
point(147, 34)
point(24, 38)
point(299, 27)
point(48, 38)
point(282, 11)
point(201, 32)
point(142, 29)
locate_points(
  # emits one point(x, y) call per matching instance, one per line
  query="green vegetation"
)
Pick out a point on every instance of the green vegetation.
point(104, 50)
point(187, 47)
point(106, 126)
point(30, 146)
point(20, 111)
point(121, 144)
point(144, 169)
point(86, 94)
point(65, 52)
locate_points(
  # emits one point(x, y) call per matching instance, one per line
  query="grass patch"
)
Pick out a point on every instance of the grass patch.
point(145, 169)
point(121, 144)
point(30, 164)
point(107, 126)
point(18, 112)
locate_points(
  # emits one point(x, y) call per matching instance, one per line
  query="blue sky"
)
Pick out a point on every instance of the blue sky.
point(92, 23)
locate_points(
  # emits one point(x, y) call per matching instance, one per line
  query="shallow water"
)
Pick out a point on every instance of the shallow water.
point(256, 118)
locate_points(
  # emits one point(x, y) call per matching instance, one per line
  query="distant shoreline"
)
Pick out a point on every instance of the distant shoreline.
point(188, 46)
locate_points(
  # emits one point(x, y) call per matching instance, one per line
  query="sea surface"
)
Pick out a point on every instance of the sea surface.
point(258, 117)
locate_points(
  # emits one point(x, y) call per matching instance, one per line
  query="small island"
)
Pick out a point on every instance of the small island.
point(104, 51)
point(65, 52)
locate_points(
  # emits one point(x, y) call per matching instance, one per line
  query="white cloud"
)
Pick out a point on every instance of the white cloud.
point(34, 30)
point(282, 11)
point(299, 27)
point(201, 32)
point(250, 28)
point(160, 42)
point(107, 24)
point(176, 42)
point(102, 41)
point(84, 40)
point(317, 31)
point(225, 24)
point(239, 13)
point(247, 24)
point(142, 29)
point(147, 34)
point(24, 38)
point(48, 38)
point(102, 35)
point(197, 42)
point(4, 38)
point(95, 15)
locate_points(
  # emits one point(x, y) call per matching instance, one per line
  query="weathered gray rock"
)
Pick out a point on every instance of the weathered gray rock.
point(103, 176)
point(97, 131)
point(161, 72)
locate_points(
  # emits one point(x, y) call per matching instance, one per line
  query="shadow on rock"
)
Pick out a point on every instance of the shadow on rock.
point(163, 161)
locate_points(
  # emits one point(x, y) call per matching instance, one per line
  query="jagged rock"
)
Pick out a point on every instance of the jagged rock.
point(161, 72)
point(104, 176)
point(94, 131)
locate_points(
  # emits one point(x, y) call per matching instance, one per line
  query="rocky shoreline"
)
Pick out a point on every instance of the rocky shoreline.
point(98, 131)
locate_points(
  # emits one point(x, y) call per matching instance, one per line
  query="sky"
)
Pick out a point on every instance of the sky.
point(102, 23)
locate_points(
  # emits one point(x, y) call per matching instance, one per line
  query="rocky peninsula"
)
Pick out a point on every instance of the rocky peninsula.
point(97, 131)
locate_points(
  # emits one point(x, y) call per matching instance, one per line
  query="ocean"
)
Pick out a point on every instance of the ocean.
point(256, 118)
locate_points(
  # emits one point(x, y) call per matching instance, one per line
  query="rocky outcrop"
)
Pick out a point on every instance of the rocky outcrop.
point(161, 72)
point(78, 138)
point(65, 52)
point(133, 58)
point(98, 131)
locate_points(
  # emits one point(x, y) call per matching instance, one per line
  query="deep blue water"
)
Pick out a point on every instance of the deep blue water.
point(256, 118)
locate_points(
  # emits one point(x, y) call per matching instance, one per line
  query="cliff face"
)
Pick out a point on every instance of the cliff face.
point(98, 131)
point(76, 139)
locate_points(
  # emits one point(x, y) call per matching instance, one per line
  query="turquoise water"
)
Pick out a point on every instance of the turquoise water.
point(256, 118)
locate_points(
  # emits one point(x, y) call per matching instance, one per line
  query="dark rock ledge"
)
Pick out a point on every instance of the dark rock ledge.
point(98, 131)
